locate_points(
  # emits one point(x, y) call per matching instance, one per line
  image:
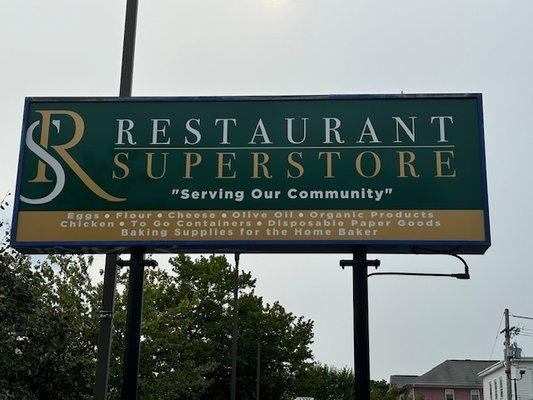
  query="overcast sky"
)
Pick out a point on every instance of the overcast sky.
point(275, 47)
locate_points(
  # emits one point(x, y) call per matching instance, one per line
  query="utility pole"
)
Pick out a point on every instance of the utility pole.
point(507, 360)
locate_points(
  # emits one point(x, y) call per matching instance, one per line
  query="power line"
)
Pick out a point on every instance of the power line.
point(522, 317)
point(496, 338)
point(524, 330)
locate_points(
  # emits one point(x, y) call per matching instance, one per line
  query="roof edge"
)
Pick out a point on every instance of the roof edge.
point(499, 364)
point(446, 385)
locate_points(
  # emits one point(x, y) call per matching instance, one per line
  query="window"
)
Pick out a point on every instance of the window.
point(490, 390)
point(449, 394)
point(474, 395)
point(501, 387)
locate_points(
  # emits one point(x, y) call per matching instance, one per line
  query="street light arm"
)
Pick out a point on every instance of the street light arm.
point(465, 275)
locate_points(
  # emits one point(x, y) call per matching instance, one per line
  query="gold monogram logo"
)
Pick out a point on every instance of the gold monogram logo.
point(45, 158)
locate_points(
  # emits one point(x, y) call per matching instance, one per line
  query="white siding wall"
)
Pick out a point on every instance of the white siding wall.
point(493, 378)
point(525, 386)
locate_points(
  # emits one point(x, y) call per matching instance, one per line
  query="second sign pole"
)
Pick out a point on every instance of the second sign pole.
point(360, 264)
point(360, 318)
point(132, 343)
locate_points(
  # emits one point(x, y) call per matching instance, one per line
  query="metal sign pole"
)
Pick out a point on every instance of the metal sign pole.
point(128, 49)
point(106, 321)
point(360, 318)
point(132, 339)
point(258, 368)
point(106, 328)
point(136, 279)
point(360, 265)
point(235, 334)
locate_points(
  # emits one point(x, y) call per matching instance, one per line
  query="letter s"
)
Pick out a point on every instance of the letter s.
point(52, 162)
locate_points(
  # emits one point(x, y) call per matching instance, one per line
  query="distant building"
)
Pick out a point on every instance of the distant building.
point(494, 380)
point(451, 380)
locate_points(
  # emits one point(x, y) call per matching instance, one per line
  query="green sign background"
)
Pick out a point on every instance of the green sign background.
point(96, 151)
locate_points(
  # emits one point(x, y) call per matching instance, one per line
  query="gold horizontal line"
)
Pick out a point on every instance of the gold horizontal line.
point(285, 147)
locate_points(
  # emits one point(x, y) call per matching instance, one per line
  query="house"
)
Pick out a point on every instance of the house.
point(495, 385)
point(450, 380)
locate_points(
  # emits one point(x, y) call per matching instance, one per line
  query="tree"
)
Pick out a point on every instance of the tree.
point(329, 383)
point(47, 327)
point(187, 326)
point(326, 383)
point(49, 324)
point(380, 390)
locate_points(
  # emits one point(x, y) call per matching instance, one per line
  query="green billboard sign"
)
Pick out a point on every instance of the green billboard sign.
point(258, 174)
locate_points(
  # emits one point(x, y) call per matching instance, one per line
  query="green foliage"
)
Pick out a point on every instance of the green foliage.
point(187, 325)
point(328, 383)
point(325, 383)
point(49, 325)
point(47, 331)
point(380, 390)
